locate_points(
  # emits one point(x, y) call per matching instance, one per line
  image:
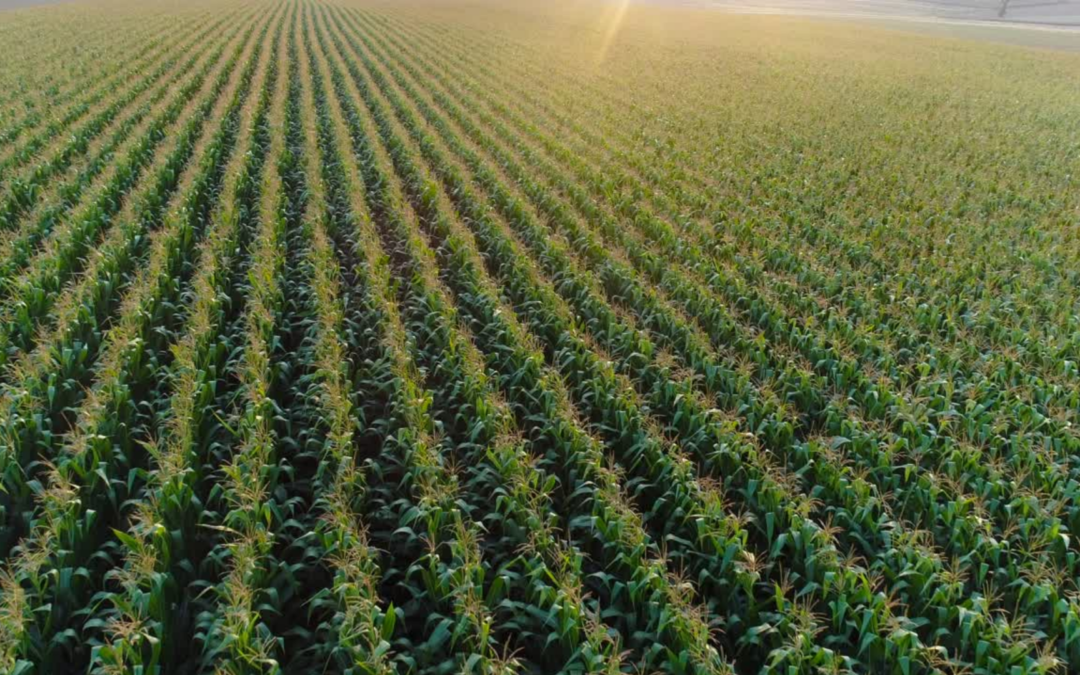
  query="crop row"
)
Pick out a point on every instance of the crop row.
point(331, 345)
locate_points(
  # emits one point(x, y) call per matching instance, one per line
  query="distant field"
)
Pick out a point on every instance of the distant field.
point(475, 336)
point(1054, 24)
point(19, 4)
point(1037, 12)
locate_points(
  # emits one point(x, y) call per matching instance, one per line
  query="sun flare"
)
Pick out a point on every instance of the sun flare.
point(611, 22)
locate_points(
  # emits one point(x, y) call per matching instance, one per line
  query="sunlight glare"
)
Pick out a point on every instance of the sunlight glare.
point(614, 22)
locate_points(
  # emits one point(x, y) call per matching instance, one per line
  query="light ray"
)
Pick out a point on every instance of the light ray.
point(611, 31)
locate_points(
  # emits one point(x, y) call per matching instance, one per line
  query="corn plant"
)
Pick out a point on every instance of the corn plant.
point(429, 338)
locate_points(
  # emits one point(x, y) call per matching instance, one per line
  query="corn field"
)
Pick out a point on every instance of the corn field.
point(357, 337)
